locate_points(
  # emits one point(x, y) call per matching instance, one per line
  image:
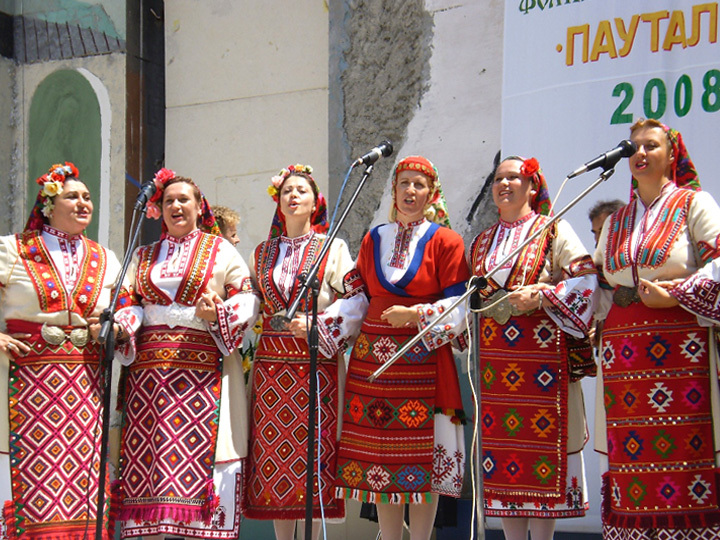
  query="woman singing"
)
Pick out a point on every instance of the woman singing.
point(402, 436)
point(277, 479)
point(55, 283)
point(660, 427)
point(182, 443)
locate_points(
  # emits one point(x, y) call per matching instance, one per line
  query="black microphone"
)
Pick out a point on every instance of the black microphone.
point(608, 160)
point(384, 149)
point(147, 190)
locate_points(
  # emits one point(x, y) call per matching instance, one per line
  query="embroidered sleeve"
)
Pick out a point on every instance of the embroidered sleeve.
point(700, 293)
point(453, 274)
point(239, 309)
point(129, 316)
point(704, 226)
point(603, 294)
point(339, 323)
point(573, 298)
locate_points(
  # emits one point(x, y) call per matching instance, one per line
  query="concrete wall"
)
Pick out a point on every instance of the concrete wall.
point(245, 105)
point(106, 75)
point(427, 75)
point(8, 142)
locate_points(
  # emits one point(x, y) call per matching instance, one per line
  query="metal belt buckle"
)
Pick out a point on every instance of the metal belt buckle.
point(80, 337)
point(624, 296)
point(53, 335)
point(502, 311)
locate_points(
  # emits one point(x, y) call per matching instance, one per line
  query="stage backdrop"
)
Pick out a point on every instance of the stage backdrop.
point(577, 73)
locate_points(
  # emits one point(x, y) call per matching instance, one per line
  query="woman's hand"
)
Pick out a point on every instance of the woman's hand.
point(298, 326)
point(205, 307)
point(10, 343)
point(527, 298)
point(399, 316)
point(657, 294)
point(94, 327)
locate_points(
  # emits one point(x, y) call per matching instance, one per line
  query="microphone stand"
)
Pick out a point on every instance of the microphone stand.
point(280, 322)
point(474, 286)
point(312, 407)
point(479, 502)
point(107, 338)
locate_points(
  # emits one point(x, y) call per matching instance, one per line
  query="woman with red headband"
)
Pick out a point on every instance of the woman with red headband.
point(659, 429)
point(185, 427)
point(55, 284)
point(402, 438)
point(277, 481)
point(535, 318)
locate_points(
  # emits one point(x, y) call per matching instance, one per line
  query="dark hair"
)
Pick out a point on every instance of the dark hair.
point(184, 180)
point(310, 180)
point(605, 207)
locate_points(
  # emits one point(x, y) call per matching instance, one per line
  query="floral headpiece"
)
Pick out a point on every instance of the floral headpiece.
point(162, 177)
point(435, 208)
point(684, 174)
point(51, 184)
point(530, 167)
point(318, 219)
point(208, 223)
point(277, 180)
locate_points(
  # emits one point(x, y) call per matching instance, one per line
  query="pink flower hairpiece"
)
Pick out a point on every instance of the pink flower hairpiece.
point(162, 177)
point(277, 180)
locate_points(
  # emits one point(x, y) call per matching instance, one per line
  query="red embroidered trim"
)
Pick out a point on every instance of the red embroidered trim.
point(195, 278)
point(266, 255)
point(47, 282)
point(530, 260)
point(655, 245)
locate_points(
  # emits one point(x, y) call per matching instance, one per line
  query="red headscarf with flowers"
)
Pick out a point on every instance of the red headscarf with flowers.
point(435, 207)
point(318, 219)
point(682, 168)
point(208, 222)
point(530, 168)
point(51, 184)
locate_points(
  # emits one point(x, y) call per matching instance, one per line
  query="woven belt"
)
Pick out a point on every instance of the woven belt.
point(55, 335)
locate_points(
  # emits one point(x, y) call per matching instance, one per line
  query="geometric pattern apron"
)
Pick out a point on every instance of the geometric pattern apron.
point(524, 377)
point(662, 472)
point(170, 429)
point(55, 407)
point(277, 459)
point(389, 452)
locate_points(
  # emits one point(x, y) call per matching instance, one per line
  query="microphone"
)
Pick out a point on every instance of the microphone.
point(147, 190)
point(608, 160)
point(384, 149)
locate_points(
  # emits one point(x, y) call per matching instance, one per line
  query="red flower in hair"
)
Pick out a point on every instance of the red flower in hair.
point(152, 210)
point(530, 167)
point(163, 175)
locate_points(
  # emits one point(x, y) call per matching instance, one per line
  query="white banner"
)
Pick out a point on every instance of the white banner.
point(577, 73)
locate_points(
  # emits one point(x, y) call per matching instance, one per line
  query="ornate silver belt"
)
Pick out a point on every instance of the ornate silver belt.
point(624, 296)
point(499, 308)
point(54, 335)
